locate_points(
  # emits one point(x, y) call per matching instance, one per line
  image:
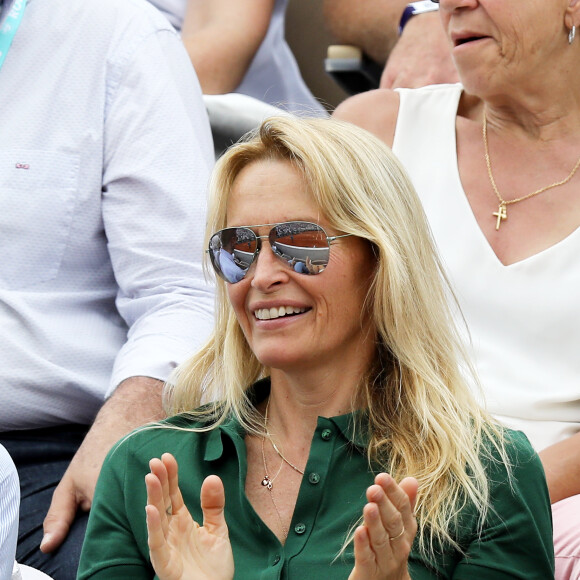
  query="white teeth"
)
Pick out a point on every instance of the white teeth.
point(277, 312)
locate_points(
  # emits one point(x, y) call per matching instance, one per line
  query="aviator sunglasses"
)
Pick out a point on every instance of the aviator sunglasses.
point(304, 246)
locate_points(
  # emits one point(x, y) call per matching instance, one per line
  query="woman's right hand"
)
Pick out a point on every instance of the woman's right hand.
point(181, 549)
point(383, 542)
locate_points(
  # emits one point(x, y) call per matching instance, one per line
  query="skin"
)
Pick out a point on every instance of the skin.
point(315, 360)
point(419, 56)
point(324, 333)
point(222, 37)
point(179, 547)
point(388, 511)
point(561, 463)
point(518, 67)
point(370, 24)
point(135, 402)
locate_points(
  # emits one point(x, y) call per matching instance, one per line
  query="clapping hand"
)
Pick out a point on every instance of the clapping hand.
point(179, 547)
point(383, 542)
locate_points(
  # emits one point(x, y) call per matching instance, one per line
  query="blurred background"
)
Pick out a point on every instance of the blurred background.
point(309, 39)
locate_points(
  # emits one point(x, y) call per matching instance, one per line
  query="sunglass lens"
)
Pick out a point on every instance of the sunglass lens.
point(232, 252)
point(303, 245)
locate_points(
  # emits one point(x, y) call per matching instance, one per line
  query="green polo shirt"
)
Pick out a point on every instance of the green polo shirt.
point(515, 543)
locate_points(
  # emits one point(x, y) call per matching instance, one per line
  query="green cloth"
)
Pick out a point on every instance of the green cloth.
point(515, 543)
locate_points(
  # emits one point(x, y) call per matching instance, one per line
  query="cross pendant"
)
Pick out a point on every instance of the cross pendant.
point(501, 214)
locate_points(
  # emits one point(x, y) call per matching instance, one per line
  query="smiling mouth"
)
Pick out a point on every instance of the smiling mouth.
point(278, 312)
point(461, 41)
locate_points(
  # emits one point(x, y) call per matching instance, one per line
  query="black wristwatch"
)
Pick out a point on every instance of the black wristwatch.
point(415, 8)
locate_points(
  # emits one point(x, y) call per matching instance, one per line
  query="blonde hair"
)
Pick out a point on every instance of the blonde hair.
point(423, 420)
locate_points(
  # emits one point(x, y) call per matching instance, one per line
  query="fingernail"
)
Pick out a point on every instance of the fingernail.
point(45, 539)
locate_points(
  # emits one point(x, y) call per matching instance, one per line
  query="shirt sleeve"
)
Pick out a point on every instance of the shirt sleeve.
point(517, 540)
point(9, 505)
point(111, 548)
point(157, 158)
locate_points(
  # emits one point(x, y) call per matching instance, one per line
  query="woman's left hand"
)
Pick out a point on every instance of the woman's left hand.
point(383, 542)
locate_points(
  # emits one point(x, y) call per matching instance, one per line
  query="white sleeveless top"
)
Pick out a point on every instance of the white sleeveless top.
point(273, 76)
point(524, 318)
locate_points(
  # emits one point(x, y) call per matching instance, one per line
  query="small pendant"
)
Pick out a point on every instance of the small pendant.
point(266, 482)
point(501, 214)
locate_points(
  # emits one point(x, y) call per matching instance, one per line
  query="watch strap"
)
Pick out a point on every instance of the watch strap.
point(415, 8)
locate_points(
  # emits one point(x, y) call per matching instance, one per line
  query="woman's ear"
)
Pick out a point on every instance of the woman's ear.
point(572, 16)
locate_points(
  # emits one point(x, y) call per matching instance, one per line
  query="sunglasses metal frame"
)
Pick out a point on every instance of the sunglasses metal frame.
point(219, 271)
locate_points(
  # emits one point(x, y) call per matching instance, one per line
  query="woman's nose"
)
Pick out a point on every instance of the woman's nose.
point(268, 270)
point(451, 5)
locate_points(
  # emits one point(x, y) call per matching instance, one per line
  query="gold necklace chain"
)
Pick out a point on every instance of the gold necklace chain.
point(284, 459)
point(280, 454)
point(268, 484)
point(267, 481)
point(501, 213)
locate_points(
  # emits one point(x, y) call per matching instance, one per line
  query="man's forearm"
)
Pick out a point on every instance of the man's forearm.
point(136, 401)
point(372, 25)
point(562, 466)
point(222, 38)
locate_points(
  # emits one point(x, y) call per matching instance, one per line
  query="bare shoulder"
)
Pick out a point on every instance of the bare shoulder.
point(376, 111)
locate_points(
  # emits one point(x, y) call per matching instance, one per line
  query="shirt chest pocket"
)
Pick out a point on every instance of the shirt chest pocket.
point(37, 199)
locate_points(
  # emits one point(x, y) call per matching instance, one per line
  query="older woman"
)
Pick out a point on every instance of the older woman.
point(343, 441)
point(495, 162)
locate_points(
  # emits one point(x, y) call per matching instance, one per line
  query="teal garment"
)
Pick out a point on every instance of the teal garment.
point(515, 543)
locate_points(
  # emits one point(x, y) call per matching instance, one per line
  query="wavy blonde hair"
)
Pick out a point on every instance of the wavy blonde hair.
point(423, 420)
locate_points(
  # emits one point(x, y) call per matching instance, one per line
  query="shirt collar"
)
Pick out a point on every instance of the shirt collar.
point(231, 427)
point(350, 425)
point(352, 428)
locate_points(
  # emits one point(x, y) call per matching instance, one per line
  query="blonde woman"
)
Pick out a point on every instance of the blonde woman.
point(343, 441)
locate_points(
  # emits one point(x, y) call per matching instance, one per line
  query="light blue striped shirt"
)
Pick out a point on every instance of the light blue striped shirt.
point(9, 505)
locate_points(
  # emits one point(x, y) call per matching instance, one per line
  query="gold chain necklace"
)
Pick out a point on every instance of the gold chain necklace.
point(285, 460)
point(267, 481)
point(268, 484)
point(501, 213)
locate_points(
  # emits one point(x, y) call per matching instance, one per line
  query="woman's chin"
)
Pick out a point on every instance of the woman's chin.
point(282, 361)
point(276, 363)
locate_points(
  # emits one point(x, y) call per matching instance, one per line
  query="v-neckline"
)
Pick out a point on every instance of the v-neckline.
point(465, 208)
